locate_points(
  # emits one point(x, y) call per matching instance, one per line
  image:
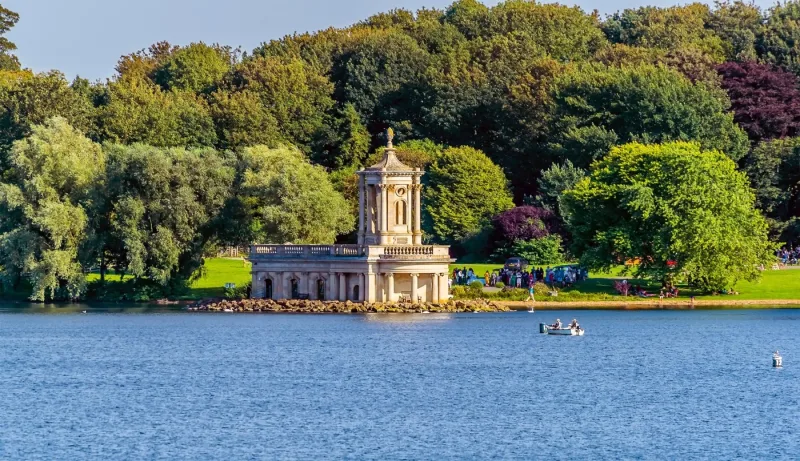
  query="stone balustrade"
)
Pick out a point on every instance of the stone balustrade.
point(305, 251)
point(397, 252)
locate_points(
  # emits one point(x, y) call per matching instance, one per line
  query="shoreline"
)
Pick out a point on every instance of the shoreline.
point(653, 305)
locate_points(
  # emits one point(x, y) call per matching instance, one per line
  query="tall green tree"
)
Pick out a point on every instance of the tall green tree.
point(27, 101)
point(465, 190)
point(8, 19)
point(45, 206)
point(281, 197)
point(598, 107)
point(138, 111)
point(296, 95)
point(669, 202)
point(774, 170)
point(161, 207)
point(196, 68)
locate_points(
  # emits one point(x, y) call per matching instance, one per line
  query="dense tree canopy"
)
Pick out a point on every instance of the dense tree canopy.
point(672, 202)
point(465, 189)
point(532, 94)
point(284, 198)
point(44, 210)
point(766, 100)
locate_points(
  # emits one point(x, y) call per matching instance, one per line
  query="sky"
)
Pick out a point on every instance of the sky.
point(87, 37)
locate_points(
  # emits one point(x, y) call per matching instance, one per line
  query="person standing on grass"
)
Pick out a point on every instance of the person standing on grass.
point(531, 292)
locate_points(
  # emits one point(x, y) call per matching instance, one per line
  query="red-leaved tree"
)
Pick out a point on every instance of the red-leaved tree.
point(765, 99)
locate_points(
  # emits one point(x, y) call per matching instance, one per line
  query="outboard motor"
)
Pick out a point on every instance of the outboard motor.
point(542, 328)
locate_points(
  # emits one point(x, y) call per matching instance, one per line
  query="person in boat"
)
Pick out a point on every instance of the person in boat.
point(557, 325)
point(574, 324)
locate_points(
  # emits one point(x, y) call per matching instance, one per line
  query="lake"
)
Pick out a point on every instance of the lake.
point(165, 385)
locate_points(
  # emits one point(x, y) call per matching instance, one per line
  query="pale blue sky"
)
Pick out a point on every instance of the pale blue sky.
point(87, 37)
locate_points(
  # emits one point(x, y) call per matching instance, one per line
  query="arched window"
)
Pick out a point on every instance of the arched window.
point(400, 213)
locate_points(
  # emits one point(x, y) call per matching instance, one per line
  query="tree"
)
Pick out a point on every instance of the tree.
point(523, 223)
point(34, 100)
point(8, 19)
point(196, 68)
point(379, 75)
point(161, 209)
point(465, 189)
point(669, 203)
point(555, 181)
point(137, 111)
point(241, 120)
point(565, 33)
point(765, 99)
point(521, 229)
point(779, 39)
point(347, 141)
point(282, 198)
point(44, 210)
point(737, 23)
point(666, 28)
point(414, 153)
point(599, 107)
point(774, 171)
point(293, 93)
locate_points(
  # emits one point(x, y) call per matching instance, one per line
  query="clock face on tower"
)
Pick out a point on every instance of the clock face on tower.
point(401, 192)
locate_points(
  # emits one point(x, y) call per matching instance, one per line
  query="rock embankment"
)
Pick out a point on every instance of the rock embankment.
point(310, 306)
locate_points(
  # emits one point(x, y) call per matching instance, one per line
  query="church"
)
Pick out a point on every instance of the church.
point(388, 264)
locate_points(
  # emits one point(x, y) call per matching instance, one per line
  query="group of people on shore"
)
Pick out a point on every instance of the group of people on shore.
point(560, 276)
point(789, 255)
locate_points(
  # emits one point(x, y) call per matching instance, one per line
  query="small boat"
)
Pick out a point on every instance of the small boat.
point(562, 331)
point(565, 331)
point(777, 360)
point(531, 311)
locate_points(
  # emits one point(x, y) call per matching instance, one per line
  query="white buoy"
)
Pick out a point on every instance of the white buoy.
point(777, 360)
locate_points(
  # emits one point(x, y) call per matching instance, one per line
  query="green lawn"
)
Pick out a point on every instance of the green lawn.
point(217, 272)
point(781, 284)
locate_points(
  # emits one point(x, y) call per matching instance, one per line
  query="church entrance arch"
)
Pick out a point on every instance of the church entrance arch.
point(321, 289)
point(268, 289)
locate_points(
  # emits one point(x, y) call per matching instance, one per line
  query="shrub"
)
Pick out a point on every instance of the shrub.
point(499, 285)
point(238, 292)
point(546, 250)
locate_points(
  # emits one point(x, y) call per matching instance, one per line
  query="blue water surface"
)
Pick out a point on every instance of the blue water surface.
point(125, 384)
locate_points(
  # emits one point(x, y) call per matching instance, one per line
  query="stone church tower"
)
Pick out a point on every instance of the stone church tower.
point(389, 202)
point(388, 264)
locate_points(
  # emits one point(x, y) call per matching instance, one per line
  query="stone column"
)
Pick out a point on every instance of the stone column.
point(362, 222)
point(330, 287)
point(372, 287)
point(362, 278)
point(378, 208)
point(389, 287)
point(342, 287)
point(384, 215)
point(286, 285)
point(443, 291)
point(435, 289)
point(305, 283)
point(414, 287)
point(417, 232)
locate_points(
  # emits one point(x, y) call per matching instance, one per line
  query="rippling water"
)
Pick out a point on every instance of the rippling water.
point(171, 385)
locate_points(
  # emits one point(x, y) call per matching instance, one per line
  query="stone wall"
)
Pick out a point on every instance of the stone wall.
point(311, 306)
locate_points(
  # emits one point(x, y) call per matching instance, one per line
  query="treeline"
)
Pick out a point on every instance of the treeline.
point(504, 106)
